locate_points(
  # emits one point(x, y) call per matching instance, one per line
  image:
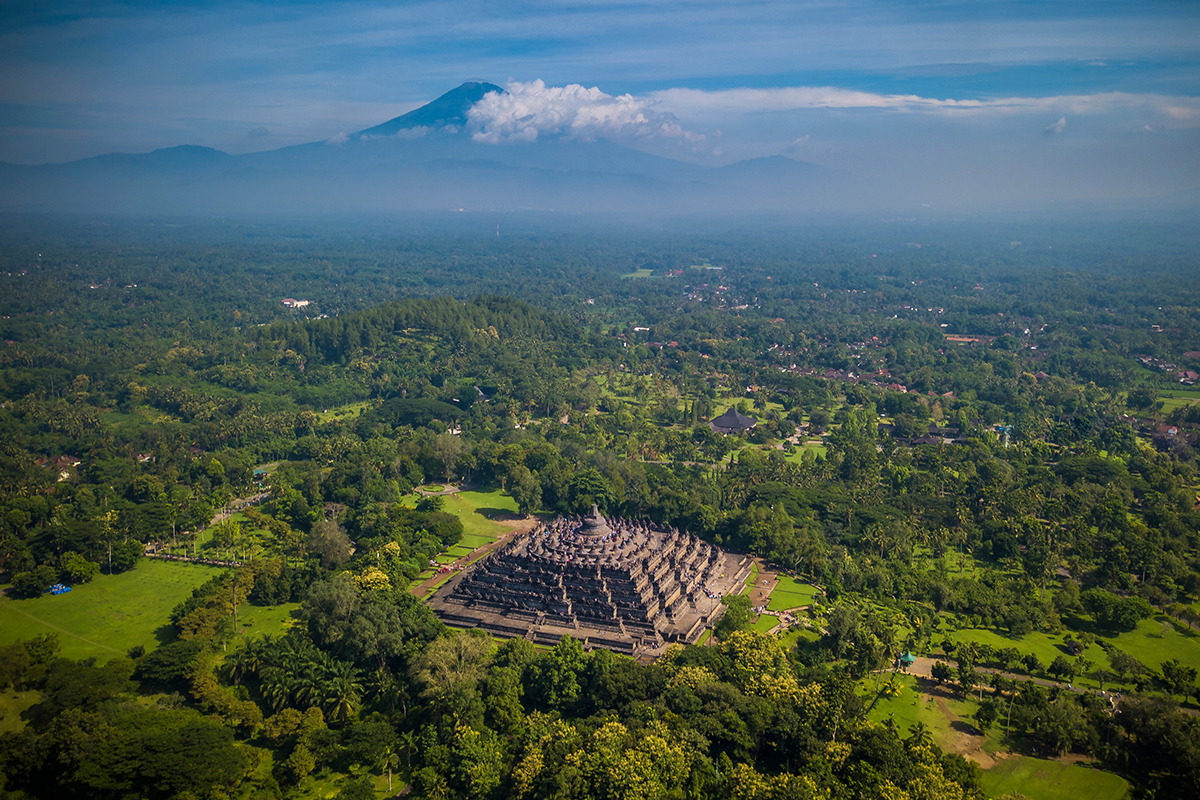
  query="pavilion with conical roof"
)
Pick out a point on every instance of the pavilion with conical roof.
point(732, 421)
point(627, 585)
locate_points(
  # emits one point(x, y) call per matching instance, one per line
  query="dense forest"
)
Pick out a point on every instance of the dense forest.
point(966, 434)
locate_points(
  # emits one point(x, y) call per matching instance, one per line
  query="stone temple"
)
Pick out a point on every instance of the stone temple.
point(629, 586)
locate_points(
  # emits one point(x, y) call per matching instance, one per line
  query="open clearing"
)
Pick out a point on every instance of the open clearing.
point(791, 593)
point(1154, 641)
point(108, 616)
point(1038, 779)
point(949, 720)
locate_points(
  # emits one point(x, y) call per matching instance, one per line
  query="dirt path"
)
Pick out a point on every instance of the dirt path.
point(962, 741)
point(764, 584)
point(236, 505)
point(520, 525)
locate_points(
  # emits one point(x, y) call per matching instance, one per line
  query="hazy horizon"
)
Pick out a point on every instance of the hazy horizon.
point(983, 105)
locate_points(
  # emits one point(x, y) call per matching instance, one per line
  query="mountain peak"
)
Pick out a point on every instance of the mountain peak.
point(449, 109)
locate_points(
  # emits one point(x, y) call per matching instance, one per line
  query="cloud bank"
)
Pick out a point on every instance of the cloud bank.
point(527, 111)
point(1180, 111)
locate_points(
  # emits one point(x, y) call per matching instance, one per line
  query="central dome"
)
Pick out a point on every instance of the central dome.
point(594, 524)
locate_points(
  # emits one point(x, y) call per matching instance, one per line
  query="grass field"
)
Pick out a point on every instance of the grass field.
point(266, 620)
point(1043, 645)
point(752, 578)
point(764, 623)
point(1154, 641)
point(912, 706)
point(641, 273)
point(797, 455)
point(342, 412)
point(111, 614)
point(795, 634)
point(12, 705)
point(1038, 779)
point(791, 593)
point(476, 510)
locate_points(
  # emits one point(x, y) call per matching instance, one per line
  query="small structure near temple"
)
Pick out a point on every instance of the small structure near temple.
point(626, 585)
point(732, 421)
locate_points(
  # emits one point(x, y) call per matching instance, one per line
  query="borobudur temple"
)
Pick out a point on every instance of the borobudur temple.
point(629, 586)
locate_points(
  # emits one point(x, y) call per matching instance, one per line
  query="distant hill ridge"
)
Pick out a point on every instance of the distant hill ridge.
point(440, 167)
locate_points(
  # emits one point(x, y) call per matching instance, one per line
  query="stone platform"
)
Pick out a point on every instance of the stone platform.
point(626, 585)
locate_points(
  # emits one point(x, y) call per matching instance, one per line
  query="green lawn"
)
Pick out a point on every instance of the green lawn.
point(111, 614)
point(752, 578)
point(764, 623)
point(797, 455)
point(795, 634)
point(912, 706)
point(473, 541)
point(1043, 645)
point(791, 593)
point(476, 510)
point(12, 705)
point(1156, 640)
point(266, 620)
point(346, 411)
point(641, 273)
point(1038, 779)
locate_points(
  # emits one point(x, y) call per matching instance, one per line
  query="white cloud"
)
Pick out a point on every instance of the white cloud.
point(1180, 110)
point(338, 138)
point(1056, 127)
point(416, 132)
point(526, 111)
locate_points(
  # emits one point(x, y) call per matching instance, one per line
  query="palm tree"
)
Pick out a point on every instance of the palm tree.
point(408, 740)
point(389, 760)
point(919, 735)
point(246, 660)
point(341, 694)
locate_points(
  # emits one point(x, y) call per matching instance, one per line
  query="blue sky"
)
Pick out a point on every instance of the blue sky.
point(1100, 97)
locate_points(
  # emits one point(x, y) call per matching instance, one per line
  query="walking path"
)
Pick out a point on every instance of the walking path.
point(923, 668)
point(520, 525)
point(764, 584)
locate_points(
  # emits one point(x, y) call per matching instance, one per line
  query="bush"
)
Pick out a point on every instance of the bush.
point(78, 569)
point(35, 582)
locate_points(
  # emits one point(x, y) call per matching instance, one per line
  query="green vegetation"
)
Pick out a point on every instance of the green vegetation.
point(1025, 501)
point(791, 593)
point(911, 707)
point(1039, 779)
point(110, 615)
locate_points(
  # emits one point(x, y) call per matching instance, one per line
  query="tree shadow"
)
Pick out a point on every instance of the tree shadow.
point(165, 634)
point(965, 727)
point(499, 514)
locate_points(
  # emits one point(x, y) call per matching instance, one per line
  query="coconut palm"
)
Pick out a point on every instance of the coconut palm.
point(341, 693)
point(919, 735)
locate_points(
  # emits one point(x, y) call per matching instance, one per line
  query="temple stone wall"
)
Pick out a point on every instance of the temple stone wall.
point(623, 584)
